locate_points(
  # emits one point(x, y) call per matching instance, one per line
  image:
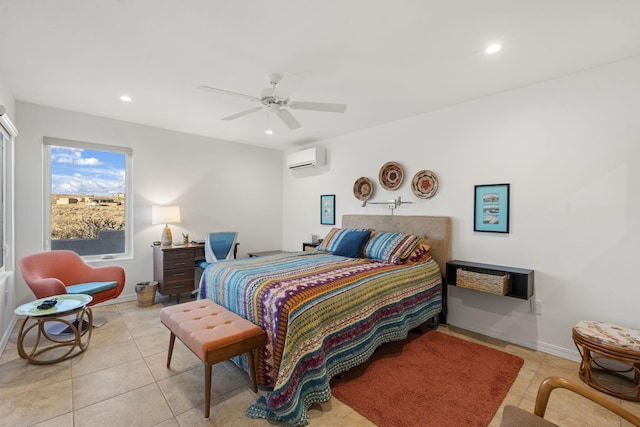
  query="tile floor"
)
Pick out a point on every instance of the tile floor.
point(122, 380)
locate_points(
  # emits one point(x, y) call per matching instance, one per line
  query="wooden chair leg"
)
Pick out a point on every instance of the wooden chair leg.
point(207, 390)
point(252, 367)
point(172, 340)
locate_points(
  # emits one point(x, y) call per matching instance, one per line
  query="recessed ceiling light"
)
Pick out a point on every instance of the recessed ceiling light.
point(268, 132)
point(493, 48)
point(126, 98)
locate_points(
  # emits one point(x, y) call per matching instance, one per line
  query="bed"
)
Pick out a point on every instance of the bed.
point(325, 313)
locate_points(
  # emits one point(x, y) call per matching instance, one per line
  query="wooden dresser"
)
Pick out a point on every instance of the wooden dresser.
point(173, 268)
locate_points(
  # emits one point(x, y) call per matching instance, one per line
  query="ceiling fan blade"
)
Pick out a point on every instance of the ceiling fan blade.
point(242, 113)
point(287, 85)
point(228, 92)
point(318, 106)
point(288, 119)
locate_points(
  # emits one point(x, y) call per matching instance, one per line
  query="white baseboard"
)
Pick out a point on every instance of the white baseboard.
point(569, 354)
point(7, 333)
point(121, 298)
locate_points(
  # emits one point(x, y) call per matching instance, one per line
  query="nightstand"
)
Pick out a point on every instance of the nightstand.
point(265, 253)
point(174, 268)
point(309, 246)
point(521, 278)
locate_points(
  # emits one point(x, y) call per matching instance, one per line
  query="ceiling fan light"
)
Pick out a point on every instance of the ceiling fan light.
point(268, 130)
point(267, 93)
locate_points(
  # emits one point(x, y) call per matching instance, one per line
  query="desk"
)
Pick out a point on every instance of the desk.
point(174, 268)
point(77, 340)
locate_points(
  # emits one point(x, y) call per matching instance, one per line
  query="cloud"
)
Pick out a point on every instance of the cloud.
point(80, 185)
point(91, 161)
point(86, 172)
point(72, 156)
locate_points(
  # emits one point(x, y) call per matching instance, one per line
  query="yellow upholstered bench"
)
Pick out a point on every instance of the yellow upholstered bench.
point(214, 334)
point(599, 344)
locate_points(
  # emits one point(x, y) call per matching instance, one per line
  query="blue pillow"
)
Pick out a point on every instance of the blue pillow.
point(334, 237)
point(352, 243)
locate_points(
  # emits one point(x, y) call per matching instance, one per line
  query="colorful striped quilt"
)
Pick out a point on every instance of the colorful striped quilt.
point(323, 314)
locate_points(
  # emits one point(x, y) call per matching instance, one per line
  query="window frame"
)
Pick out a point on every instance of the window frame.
point(4, 245)
point(9, 134)
point(48, 142)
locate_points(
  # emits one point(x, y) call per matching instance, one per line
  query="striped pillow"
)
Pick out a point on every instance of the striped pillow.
point(332, 241)
point(420, 253)
point(389, 247)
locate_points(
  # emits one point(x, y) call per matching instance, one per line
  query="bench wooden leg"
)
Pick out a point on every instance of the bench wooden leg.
point(172, 340)
point(252, 367)
point(212, 346)
point(207, 389)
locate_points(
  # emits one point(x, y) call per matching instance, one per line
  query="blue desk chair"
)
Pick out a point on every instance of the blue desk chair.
point(220, 246)
point(217, 247)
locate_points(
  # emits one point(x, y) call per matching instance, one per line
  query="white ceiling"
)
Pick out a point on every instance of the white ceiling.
point(385, 59)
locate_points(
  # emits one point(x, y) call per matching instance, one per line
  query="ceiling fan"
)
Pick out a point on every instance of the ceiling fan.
point(276, 99)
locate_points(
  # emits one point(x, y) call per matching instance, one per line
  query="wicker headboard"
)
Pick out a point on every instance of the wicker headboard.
point(435, 228)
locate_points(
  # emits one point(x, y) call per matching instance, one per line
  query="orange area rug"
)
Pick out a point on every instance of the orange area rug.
point(432, 379)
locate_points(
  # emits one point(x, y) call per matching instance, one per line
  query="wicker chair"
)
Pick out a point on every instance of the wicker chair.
point(516, 417)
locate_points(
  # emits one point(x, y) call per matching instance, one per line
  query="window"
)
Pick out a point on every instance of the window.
point(88, 198)
point(7, 134)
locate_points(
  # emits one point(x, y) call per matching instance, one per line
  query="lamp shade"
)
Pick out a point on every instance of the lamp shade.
point(165, 214)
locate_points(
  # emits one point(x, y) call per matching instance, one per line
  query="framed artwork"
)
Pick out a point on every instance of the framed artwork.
point(328, 209)
point(491, 208)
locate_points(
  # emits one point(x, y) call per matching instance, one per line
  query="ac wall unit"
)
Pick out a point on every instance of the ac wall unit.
point(310, 157)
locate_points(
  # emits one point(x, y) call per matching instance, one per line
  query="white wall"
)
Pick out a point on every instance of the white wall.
point(6, 99)
point(219, 185)
point(570, 150)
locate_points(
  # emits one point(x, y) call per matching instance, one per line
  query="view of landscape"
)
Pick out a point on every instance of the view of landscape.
point(82, 217)
point(87, 192)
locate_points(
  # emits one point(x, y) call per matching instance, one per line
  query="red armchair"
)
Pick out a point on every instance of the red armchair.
point(61, 272)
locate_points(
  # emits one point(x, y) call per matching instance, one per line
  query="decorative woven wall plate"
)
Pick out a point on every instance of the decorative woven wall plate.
point(363, 188)
point(391, 175)
point(424, 184)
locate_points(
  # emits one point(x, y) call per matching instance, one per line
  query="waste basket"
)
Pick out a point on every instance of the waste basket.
point(146, 293)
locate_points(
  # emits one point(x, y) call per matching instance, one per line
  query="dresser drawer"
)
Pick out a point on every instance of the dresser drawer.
point(177, 287)
point(179, 263)
point(180, 275)
point(178, 253)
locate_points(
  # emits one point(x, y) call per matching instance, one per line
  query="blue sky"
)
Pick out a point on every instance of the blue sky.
point(86, 172)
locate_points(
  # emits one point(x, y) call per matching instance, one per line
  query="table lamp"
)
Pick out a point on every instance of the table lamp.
point(165, 215)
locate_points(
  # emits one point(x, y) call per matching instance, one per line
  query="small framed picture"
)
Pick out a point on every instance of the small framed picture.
point(491, 208)
point(328, 209)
